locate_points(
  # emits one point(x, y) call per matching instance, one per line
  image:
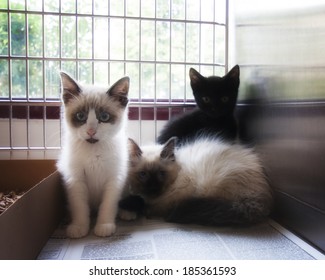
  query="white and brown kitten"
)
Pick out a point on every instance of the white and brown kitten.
point(94, 157)
point(205, 182)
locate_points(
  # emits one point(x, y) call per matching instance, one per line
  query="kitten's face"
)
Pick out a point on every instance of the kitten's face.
point(152, 172)
point(92, 113)
point(216, 96)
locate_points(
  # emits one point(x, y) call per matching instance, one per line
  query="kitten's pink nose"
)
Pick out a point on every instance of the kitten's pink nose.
point(91, 132)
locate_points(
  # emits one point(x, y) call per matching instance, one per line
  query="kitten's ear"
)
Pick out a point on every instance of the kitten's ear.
point(196, 78)
point(70, 88)
point(233, 76)
point(168, 152)
point(134, 150)
point(120, 90)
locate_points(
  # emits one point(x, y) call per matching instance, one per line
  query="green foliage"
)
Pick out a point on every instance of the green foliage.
point(3, 34)
point(146, 44)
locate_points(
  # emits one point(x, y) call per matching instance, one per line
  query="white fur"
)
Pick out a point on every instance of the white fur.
point(211, 168)
point(94, 174)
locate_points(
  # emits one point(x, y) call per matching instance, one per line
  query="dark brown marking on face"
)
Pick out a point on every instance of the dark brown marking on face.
point(109, 106)
point(150, 179)
point(79, 116)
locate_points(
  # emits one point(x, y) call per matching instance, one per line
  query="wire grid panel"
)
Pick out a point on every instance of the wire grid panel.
point(153, 42)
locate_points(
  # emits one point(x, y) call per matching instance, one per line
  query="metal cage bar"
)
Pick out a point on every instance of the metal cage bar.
point(140, 102)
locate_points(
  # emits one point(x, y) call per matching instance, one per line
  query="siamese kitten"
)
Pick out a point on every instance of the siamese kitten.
point(206, 182)
point(94, 157)
point(216, 98)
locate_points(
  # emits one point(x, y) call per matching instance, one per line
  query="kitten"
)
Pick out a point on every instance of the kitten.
point(206, 182)
point(94, 157)
point(216, 99)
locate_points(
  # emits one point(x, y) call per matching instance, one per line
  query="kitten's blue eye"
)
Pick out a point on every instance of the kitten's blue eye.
point(81, 116)
point(206, 99)
point(103, 117)
point(224, 99)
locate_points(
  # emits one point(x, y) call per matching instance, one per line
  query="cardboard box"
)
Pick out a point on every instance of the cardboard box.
point(28, 223)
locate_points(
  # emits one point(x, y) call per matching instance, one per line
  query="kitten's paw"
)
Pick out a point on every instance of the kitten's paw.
point(77, 231)
point(127, 215)
point(104, 230)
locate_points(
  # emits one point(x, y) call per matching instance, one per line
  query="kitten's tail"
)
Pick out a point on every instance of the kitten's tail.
point(220, 212)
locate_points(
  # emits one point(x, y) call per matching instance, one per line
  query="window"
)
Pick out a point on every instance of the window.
point(155, 42)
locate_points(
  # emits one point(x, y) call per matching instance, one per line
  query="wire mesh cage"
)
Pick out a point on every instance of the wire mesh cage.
point(153, 42)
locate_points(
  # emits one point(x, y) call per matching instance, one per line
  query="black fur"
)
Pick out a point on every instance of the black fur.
point(193, 124)
point(212, 212)
point(133, 203)
point(216, 98)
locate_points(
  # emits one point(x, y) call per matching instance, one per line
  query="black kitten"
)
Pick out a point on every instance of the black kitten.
point(216, 98)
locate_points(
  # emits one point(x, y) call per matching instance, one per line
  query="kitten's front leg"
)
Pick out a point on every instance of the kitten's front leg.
point(79, 210)
point(105, 225)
